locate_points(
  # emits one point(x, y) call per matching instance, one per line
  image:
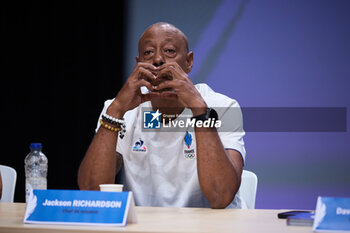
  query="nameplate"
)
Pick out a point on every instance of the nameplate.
point(332, 214)
point(73, 207)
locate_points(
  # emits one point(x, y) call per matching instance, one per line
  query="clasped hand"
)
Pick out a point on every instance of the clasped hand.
point(167, 81)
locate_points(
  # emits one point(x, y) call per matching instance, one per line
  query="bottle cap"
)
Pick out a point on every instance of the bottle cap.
point(35, 146)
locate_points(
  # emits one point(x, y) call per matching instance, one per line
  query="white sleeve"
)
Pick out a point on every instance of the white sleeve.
point(231, 131)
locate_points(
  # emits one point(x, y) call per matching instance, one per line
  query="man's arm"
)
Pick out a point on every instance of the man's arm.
point(219, 170)
point(101, 162)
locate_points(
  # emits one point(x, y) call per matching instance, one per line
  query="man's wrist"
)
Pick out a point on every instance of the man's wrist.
point(115, 111)
point(209, 114)
point(199, 109)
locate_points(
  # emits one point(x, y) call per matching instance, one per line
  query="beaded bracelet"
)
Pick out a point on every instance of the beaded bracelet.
point(118, 122)
point(107, 126)
point(112, 120)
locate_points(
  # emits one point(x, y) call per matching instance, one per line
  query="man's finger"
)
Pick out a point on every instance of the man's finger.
point(146, 74)
point(146, 66)
point(168, 95)
point(145, 97)
point(165, 84)
point(173, 65)
point(145, 83)
point(165, 74)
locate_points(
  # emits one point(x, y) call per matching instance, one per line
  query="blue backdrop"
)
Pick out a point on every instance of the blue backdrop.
point(272, 53)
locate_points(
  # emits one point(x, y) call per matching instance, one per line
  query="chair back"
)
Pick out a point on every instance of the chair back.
point(9, 177)
point(248, 188)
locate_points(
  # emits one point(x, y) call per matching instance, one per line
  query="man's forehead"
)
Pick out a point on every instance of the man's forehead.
point(148, 40)
point(171, 34)
point(154, 31)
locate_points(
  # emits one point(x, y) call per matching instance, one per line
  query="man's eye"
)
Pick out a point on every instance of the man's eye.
point(170, 50)
point(147, 52)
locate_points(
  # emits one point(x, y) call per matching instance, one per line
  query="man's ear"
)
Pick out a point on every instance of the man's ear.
point(137, 59)
point(189, 60)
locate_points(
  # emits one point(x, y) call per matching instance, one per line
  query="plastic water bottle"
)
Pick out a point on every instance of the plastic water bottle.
point(35, 165)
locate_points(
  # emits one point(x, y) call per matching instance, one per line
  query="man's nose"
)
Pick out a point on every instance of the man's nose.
point(158, 59)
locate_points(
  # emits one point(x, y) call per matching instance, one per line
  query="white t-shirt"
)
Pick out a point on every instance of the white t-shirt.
point(161, 167)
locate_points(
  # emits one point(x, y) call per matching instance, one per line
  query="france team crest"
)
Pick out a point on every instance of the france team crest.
point(189, 152)
point(151, 119)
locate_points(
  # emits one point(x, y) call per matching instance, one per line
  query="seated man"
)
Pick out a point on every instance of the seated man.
point(196, 167)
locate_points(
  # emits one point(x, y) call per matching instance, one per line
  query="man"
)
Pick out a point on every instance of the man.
point(159, 174)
